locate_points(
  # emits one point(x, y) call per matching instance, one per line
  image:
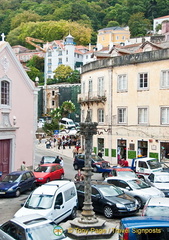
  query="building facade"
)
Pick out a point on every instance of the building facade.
point(128, 97)
point(112, 36)
point(18, 111)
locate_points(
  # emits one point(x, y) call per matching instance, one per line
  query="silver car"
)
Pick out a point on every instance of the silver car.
point(31, 227)
point(136, 188)
point(156, 207)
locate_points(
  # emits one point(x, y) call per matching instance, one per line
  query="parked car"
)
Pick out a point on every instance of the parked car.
point(47, 159)
point(136, 188)
point(97, 162)
point(119, 171)
point(109, 200)
point(55, 200)
point(144, 228)
point(48, 172)
point(156, 207)
point(31, 227)
point(14, 183)
point(159, 180)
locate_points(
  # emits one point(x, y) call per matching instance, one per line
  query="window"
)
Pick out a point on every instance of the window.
point(49, 54)
point(165, 79)
point(100, 115)
point(143, 81)
point(90, 111)
point(100, 86)
point(66, 52)
point(142, 116)
point(5, 92)
point(121, 115)
point(53, 93)
point(90, 87)
point(122, 83)
point(53, 103)
point(165, 115)
point(83, 87)
point(60, 61)
point(60, 53)
point(66, 59)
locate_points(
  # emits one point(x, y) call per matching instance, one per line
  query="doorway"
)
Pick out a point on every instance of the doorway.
point(4, 156)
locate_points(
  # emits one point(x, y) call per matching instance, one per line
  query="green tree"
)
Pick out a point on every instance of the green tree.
point(74, 77)
point(112, 24)
point(24, 17)
point(49, 31)
point(66, 108)
point(139, 25)
point(62, 73)
point(36, 68)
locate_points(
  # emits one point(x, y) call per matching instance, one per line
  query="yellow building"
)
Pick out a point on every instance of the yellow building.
point(112, 36)
point(128, 97)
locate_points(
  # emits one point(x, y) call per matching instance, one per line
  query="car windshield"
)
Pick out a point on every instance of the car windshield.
point(137, 184)
point(157, 211)
point(11, 178)
point(45, 169)
point(126, 174)
point(49, 159)
point(154, 163)
point(161, 178)
point(45, 231)
point(109, 191)
point(96, 158)
point(39, 201)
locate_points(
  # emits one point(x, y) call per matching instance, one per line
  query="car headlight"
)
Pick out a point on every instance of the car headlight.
point(97, 165)
point(119, 205)
point(10, 189)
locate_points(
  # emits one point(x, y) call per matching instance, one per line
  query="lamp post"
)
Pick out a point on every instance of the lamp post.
point(88, 129)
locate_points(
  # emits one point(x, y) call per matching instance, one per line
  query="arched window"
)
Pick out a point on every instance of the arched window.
point(5, 86)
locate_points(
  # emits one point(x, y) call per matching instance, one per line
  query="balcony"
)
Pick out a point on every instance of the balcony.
point(91, 98)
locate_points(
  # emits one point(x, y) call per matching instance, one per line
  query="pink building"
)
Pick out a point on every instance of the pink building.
point(18, 112)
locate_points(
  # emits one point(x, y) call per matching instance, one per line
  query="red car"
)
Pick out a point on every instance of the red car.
point(48, 172)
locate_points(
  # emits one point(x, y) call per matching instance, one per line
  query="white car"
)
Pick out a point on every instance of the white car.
point(136, 188)
point(156, 207)
point(31, 227)
point(159, 180)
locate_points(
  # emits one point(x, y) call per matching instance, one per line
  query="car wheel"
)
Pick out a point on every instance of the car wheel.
point(108, 212)
point(94, 169)
point(62, 176)
point(105, 175)
point(17, 193)
point(47, 180)
point(140, 203)
point(73, 213)
point(76, 167)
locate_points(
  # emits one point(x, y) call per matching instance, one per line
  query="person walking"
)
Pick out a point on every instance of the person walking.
point(79, 176)
point(23, 166)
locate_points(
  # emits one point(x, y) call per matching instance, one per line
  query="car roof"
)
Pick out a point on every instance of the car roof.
point(29, 220)
point(161, 173)
point(49, 164)
point(18, 172)
point(158, 201)
point(49, 157)
point(146, 158)
point(125, 178)
point(145, 222)
point(51, 187)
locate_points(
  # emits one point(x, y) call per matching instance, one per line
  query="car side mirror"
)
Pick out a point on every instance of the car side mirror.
point(57, 206)
point(22, 204)
point(128, 188)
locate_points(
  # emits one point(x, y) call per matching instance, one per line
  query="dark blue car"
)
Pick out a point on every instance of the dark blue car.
point(17, 182)
point(144, 228)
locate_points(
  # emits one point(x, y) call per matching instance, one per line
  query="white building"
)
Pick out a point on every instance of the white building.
point(158, 21)
point(63, 52)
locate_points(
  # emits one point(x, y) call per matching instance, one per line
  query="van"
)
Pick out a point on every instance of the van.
point(144, 228)
point(67, 123)
point(55, 200)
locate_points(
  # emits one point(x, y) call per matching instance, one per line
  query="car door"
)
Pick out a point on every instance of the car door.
point(29, 180)
point(150, 179)
point(59, 208)
point(96, 200)
point(53, 173)
point(81, 161)
point(23, 183)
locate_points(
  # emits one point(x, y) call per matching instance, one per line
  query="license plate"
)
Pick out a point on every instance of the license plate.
point(132, 209)
point(2, 192)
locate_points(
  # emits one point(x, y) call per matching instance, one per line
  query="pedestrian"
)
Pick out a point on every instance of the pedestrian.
point(59, 143)
point(100, 154)
point(74, 151)
point(61, 161)
point(57, 160)
point(23, 166)
point(40, 139)
point(79, 176)
point(54, 141)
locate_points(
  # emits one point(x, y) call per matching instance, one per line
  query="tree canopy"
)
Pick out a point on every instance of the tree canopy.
point(42, 18)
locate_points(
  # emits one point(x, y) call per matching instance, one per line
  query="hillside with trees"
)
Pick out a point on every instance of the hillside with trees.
point(53, 19)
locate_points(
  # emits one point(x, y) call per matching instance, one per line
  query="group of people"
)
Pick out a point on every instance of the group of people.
point(123, 163)
point(59, 160)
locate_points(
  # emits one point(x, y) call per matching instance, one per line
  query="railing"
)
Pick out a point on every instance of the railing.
point(85, 98)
